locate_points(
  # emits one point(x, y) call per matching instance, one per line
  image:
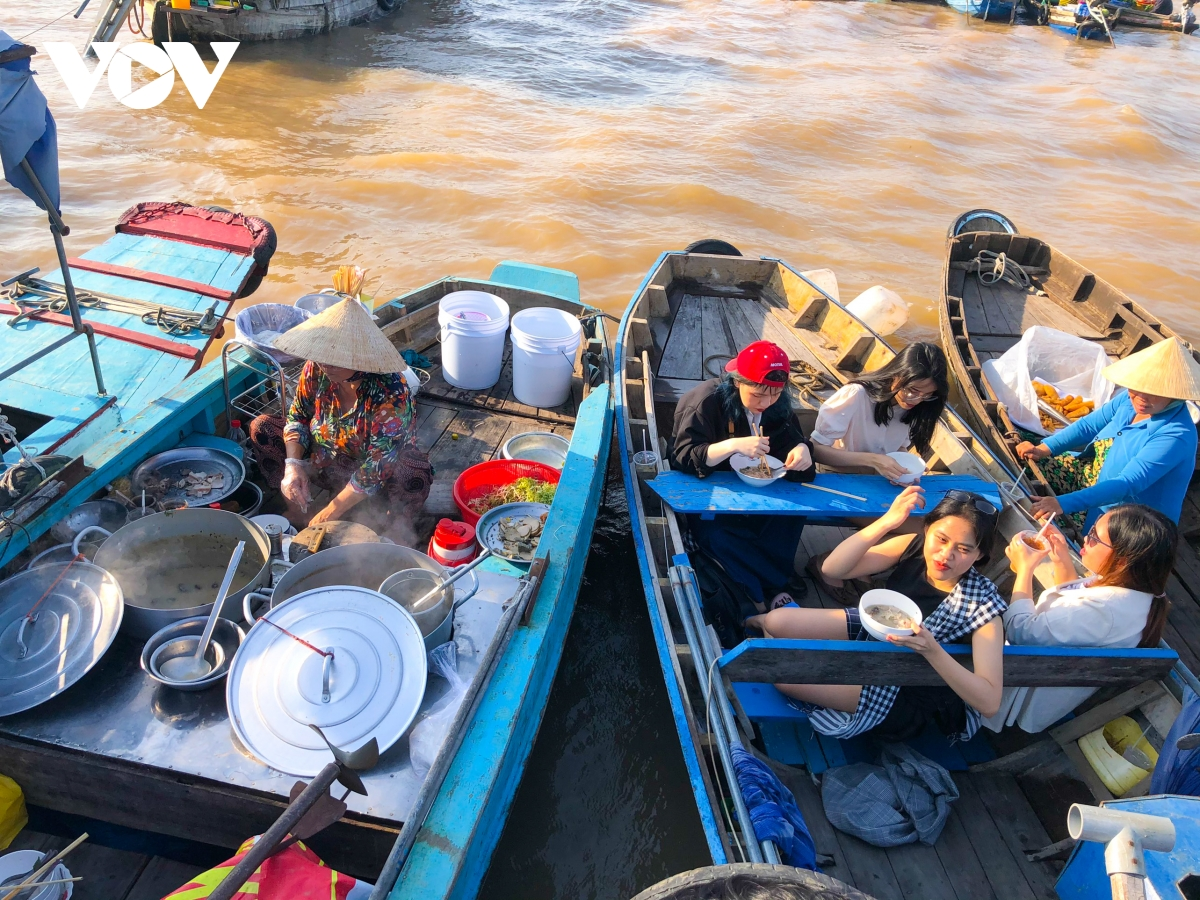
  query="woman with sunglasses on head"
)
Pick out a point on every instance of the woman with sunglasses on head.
point(1139, 446)
point(746, 411)
point(936, 571)
point(894, 408)
point(1129, 554)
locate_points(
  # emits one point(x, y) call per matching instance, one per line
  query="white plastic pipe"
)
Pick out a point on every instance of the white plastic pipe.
point(1126, 836)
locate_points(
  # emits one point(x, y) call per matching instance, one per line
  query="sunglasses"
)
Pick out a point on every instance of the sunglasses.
point(980, 503)
point(1093, 538)
point(914, 396)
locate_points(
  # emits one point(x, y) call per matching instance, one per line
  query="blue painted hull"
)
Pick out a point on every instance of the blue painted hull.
point(992, 10)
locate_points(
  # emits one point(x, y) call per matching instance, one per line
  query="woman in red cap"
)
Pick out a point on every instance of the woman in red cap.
point(746, 411)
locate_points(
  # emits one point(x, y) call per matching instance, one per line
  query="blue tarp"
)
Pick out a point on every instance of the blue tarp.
point(1178, 771)
point(773, 810)
point(27, 129)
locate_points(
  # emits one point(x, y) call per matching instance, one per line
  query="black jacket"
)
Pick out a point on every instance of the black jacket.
point(704, 416)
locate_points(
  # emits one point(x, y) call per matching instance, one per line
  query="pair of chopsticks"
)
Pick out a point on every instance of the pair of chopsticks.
point(33, 882)
point(764, 467)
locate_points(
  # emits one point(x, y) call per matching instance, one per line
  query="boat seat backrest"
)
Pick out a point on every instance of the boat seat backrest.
point(781, 661)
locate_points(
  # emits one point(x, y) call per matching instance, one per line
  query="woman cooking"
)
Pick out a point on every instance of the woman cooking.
point(746, 411)
point(936, 571)
point(1140, 446)
point(894, 408)
point(350, 428)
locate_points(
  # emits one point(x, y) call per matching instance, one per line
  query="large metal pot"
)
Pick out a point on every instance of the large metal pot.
point(165, 561)
point(357, 565)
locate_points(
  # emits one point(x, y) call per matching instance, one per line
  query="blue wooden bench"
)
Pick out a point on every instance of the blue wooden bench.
point(724, 492)
point(756, 665)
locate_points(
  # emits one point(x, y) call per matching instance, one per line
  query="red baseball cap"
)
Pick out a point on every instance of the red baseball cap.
point(758, 360)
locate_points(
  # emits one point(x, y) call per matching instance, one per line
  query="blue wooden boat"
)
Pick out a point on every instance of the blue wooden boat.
point(990, 10)
point(443, 847)
point(691, 313)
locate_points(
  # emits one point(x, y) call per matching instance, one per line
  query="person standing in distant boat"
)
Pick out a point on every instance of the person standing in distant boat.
point(746, 411)
point(894, 408)
point(1138, 447)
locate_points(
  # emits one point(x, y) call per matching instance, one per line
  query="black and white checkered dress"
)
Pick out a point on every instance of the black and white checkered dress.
point(972, 604)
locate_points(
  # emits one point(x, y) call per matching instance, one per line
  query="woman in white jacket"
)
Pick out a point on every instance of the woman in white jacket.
point(1130, 551)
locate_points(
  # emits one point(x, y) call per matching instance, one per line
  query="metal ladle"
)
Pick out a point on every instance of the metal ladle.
point(195, 667)
point(458, 573)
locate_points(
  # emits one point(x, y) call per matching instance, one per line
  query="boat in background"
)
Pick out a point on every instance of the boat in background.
point(233, 20)
point(989, 10)
point(1104, 18)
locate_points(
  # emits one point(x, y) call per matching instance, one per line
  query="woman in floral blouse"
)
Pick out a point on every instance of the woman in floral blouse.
point(350, 427)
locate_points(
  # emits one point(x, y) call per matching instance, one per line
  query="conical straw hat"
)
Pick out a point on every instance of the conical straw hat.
point(1166, 369)
point(344, 335)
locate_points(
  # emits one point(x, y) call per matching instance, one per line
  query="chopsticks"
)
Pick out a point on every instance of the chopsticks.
point(764, 467)
point(817, 487)
point(46, 867)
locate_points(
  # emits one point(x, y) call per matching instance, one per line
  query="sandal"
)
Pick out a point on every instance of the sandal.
point(845, 595)
point(780, 600)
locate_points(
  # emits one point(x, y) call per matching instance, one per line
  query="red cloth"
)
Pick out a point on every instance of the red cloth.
point(292, 874)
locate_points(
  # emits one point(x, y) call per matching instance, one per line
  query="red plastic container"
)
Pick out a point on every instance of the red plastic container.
point(453, 543)
point(487, 476)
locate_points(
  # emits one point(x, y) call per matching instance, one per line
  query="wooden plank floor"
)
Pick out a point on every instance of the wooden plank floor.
point(110, 874)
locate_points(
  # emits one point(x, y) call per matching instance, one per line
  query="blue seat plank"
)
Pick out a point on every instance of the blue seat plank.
point(724, 492)
point(782, 744)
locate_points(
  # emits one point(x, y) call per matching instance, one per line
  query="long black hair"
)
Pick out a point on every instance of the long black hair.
point(916, 362)
point(1143, 543)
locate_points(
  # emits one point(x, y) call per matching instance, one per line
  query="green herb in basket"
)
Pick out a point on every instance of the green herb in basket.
point(523, 490)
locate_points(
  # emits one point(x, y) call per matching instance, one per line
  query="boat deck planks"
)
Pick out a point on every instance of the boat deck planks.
point(111, 874)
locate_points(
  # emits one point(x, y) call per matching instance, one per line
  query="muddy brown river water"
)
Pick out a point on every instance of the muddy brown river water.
point(592, 136)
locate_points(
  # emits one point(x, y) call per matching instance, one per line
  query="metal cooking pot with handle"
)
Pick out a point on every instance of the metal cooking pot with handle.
point(356, 565)
point(170, 565)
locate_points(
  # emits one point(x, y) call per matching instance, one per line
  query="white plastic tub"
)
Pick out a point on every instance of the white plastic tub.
point(882, 309)
point(545, 341)
point(471, 327)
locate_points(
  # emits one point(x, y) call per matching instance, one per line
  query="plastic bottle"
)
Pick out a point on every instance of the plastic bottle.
point(236, 433)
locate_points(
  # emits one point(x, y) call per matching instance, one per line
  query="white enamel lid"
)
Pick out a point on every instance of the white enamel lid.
point(376, 678)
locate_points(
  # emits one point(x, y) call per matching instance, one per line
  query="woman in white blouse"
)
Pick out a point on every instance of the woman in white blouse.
point(893, 408)
point(1130, 552)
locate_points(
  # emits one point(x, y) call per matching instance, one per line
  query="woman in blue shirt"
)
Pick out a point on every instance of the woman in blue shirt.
point(1138, 447)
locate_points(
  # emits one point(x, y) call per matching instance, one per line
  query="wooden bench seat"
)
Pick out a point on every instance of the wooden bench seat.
point(775, 661)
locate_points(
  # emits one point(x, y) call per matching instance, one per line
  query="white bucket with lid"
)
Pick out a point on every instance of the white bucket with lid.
point(544, 343)
point(883, 310)
point(471, 328)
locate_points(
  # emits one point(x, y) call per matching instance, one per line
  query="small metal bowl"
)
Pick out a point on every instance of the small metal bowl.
point(108, 514)
point(173, 641)
point(538, 446)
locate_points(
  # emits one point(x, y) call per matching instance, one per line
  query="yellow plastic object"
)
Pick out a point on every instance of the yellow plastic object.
point(181, 4)
point(1103, 748)
point(13, 816)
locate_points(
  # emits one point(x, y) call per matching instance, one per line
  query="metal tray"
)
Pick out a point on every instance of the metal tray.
point(487, 529)
point(172, 464)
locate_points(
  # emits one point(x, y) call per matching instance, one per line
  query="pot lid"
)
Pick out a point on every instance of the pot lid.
point(284, 679)
point(56, 621)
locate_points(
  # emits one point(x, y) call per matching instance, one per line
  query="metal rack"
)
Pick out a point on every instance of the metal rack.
point(270, 395)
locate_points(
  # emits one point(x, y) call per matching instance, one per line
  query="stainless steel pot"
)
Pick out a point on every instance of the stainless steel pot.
point(165, 561)
point(357, 565)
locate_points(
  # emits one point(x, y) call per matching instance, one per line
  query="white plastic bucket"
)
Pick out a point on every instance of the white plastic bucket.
point(544, 344)
point(472, 326)
point(884, 311)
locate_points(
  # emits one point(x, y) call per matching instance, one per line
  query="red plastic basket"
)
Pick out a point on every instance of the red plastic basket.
point(487, 476)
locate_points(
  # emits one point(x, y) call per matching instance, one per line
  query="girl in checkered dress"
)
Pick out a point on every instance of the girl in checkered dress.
point(936, 570)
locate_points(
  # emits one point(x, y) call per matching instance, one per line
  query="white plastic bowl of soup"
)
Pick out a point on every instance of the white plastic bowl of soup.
point(740, 463)
point(883, 612)
point(913, 465)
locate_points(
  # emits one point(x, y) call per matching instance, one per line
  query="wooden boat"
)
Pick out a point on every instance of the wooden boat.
point(979, 322)
point(161, 770)
point(693, 311)
point(990, 10)
point(1118, 16)
point(238, 20)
